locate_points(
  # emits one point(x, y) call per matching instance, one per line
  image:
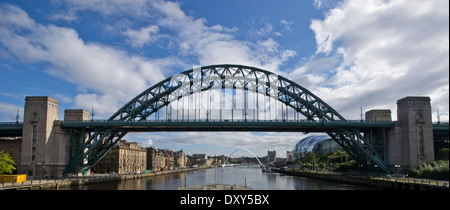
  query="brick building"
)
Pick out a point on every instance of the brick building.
point(12, 146)
point(180, 159)
point(163, 159)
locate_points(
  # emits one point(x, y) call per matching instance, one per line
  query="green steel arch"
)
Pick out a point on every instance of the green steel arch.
point(221, 77)
point(226, 76)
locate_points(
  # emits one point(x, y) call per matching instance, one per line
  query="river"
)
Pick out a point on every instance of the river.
point(251, 177)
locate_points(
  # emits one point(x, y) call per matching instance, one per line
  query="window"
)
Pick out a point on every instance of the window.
point(420, 136)
point(33, 143)
point(34, 131)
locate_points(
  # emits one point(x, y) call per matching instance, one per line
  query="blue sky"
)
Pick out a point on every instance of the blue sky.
point(99, 53)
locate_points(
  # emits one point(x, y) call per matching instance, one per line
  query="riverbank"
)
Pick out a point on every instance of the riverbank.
point(56, 184)
point(386, 183)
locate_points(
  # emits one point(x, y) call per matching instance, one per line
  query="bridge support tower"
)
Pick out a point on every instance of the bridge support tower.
point(410, 142)
point(45, 145)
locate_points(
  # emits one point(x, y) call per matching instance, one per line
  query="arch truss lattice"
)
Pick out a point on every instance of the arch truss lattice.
point(224, 93)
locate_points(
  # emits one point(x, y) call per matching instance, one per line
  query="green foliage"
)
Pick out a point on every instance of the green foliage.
point(339, 160)
point(310, 157)
point(336, 156)
point(347, 166)
point(435, 170)
point(6, 164)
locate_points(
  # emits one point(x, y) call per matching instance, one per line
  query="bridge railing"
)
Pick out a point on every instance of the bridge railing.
point(443, 124)
point(225, 120)
point(10, 123)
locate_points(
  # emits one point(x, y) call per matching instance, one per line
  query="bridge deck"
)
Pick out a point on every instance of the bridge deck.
point(441, 130)
point(8, 129)
point(15, 129)
point(216, 125)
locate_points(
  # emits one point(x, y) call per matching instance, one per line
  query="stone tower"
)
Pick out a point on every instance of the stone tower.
point(40, 112)
point(378, 137)
point(409, 143)
point(46, 145)
point(414, 116)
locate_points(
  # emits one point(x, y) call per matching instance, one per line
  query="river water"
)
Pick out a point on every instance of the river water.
point(251, 177)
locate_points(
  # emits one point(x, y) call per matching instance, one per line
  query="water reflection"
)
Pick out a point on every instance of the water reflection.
point(251, 177)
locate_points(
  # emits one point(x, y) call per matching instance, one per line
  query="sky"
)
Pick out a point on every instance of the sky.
point(100, 54)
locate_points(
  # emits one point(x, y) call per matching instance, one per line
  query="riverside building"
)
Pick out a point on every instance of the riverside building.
point(124, 157)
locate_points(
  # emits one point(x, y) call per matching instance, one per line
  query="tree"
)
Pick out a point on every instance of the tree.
point(435, 170)
point(347, 166)
point(6, 163)
point(310, 157)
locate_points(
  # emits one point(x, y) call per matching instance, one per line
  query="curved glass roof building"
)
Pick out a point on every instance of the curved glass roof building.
point(319, 144)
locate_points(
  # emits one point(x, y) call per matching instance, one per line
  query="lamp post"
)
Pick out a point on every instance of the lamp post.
point(43, 167)
point(17, 116)
point(92, 114)
point(361, 114)
point(397, 166)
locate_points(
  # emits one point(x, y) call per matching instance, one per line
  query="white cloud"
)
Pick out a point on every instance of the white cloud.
point(12, 15)
point(286, 24)
point(379, 48)
point(318, 3)
point(8, 112)
point(215, 45)
point(103, 105)
point(63, 98)
point(266, 30)
point(192, 36)
point(110, 7)
point(105, 72)
point(143, 36)
point(385, 50)
point(325, 4)
point(148, 143)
